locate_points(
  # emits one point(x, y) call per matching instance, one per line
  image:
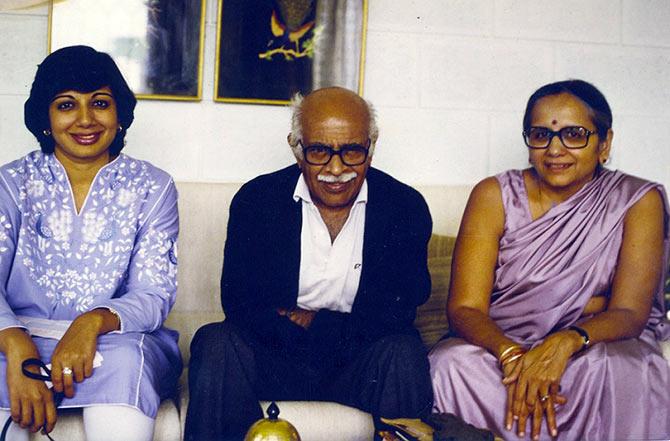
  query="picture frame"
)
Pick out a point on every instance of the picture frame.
point(157, 44)
point(267, 50)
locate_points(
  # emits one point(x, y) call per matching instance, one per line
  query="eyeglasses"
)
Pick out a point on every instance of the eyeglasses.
point(321, 154)
point(574, 137)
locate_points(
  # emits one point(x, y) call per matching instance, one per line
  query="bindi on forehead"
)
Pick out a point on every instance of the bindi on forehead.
point(554, 122)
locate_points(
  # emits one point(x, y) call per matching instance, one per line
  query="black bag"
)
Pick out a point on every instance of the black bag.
point(446, 427)
point(449, 427)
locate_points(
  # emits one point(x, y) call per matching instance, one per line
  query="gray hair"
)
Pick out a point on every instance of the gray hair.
point(296, 126)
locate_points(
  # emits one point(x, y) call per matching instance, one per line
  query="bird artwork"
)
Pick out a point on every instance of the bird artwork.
point(290, 27)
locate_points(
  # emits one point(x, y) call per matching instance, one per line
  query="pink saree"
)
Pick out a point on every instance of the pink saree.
point(547, 271)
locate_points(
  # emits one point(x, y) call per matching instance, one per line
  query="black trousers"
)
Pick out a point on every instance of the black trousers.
point(231, 370)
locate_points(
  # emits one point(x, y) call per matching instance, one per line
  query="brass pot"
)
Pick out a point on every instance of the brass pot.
point(272, 428)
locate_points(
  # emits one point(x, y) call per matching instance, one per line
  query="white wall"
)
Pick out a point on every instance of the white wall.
point(449, 79)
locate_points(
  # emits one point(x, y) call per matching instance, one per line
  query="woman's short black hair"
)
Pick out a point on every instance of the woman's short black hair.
point(595, 101)
point(83, 69)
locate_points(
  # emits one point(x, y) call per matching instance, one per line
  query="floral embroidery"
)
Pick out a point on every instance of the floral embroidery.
point(35, 188)
point(60, 224)
point(126, 197)
point(5, 227)
point(156, 271)
point(94, 224)
point(78, 260)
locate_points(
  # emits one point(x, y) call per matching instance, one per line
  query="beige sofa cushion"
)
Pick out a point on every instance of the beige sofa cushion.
point(431, 318)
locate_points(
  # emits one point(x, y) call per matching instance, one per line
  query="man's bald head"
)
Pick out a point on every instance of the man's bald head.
point(334, 102)
point(330, 103)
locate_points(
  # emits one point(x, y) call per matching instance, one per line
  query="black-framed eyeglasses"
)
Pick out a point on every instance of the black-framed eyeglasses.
point(321, 154)
point(573, 137)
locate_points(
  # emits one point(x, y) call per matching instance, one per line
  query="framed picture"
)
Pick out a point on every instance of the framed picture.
point(157, 44)
point(267, 50)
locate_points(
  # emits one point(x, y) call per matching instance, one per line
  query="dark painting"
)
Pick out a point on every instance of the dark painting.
point(270, 49)
point(157, 44)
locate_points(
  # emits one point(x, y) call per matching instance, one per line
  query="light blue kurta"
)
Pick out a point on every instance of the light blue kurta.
point(119, 252)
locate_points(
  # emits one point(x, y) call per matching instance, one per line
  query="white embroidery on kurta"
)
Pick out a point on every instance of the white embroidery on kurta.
point(74, 258)
point(5, 226)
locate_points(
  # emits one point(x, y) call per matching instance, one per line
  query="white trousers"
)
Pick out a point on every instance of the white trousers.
point(101, 423)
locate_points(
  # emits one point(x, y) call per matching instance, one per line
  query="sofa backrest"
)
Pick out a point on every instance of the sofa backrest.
point(431, 317)
point(203, 211)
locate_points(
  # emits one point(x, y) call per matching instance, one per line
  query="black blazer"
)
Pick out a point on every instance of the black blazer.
point(262, 261)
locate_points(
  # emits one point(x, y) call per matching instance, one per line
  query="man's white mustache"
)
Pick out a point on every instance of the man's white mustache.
point(345, 177)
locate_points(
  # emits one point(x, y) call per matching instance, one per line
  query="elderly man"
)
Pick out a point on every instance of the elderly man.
point(324, 266)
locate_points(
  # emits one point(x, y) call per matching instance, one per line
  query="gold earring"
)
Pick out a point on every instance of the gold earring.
point(46, 132)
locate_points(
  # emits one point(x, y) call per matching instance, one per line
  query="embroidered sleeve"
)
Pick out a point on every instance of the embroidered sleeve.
point(151, 282)
point(9, 227)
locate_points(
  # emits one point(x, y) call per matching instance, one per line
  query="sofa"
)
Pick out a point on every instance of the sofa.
point(203, 211)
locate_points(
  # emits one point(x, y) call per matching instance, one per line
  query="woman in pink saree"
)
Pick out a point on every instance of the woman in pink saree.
point(556, 295)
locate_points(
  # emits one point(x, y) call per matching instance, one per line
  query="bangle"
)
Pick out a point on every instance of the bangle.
point(507, 351)
point(510, 354)
point(512, 358)
point(583, 334)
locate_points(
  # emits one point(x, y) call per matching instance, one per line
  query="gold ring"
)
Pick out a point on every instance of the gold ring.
point(67, 371)
point(544, 398)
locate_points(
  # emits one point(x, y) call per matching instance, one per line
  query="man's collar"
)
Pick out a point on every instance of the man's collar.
point(302, 192)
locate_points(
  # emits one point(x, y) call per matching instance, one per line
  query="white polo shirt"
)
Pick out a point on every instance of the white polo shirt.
point(329, 273)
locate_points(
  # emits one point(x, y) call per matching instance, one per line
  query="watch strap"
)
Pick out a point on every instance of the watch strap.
point(585, 336)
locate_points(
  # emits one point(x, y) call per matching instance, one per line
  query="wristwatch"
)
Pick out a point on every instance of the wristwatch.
point(583, 334)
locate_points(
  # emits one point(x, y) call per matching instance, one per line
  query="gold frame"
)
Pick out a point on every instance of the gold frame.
point(201, 57)
point(361, 71)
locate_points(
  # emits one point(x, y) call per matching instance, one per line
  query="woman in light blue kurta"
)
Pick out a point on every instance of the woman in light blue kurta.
point(87, 246)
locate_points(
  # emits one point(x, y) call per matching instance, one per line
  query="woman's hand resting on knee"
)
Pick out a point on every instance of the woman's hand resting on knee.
point(31, 403)
point(533, 383)
point(72, 360)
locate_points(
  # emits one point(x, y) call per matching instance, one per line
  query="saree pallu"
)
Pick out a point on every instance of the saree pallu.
point(547, 271)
